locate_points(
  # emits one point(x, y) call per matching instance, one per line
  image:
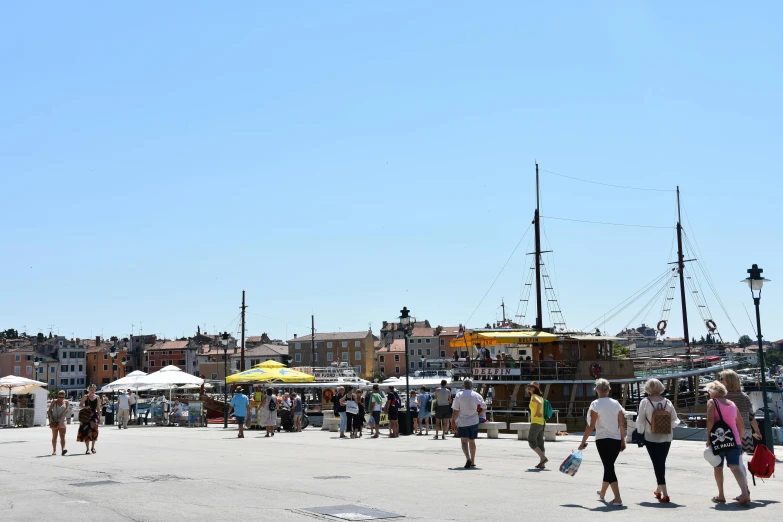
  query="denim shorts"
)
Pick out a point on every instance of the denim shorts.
point(468, 432)
point(732, 456)
point(240, 420)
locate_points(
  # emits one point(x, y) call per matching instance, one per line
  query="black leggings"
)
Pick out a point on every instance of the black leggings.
point(658, 452)
point(608, 450)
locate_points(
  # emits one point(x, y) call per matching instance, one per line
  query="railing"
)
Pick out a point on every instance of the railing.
point(528, 370)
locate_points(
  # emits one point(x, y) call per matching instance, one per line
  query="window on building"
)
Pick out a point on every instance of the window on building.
point(114, 367)
point(419, 351)
point(345, 344)
point(418, 341)
point(106, 366)
point(443, 342)
point(396, 358)
point(17, 370)
point(63, 382)
point(298, 346)
point(345, 356)
point(214, 376)
point(427, 341)
point(152, 364)
point(396, 369)
point(329, 356)
point(17, 358)
point(421, 364)
point(298, 357)
point(358, 369)
point(73, 382)
point(40, 370)
point(357, 355)
point(93, 369)
point(52, 369)
point(183, 362)
point(81, 355)
point(428, 351)
point(81, 368)
point(329, 344)
point(413, 365)
point(73, 367)
point(443, 353)
point(357, 344)
point(52, 382)
point(381, 358)
point(105, 380)
point(105, 356)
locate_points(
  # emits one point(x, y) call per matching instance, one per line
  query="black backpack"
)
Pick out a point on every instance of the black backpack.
point(272, 403)
point(721, 435)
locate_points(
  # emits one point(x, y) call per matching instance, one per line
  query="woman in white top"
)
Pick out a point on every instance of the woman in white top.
point(605, 416)
point(657, 444)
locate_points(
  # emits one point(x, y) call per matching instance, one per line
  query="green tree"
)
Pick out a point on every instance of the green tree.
point(619, 351)
point(744, 341)
point(9, 334)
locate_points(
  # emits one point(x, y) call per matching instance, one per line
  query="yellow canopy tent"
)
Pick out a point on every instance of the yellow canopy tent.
point(269, 363)
point(472, 338)
point(282, 374)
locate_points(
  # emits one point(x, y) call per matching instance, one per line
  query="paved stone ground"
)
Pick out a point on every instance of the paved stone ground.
point(154, 474)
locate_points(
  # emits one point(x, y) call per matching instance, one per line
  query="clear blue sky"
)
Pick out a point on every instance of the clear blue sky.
point(350, 160)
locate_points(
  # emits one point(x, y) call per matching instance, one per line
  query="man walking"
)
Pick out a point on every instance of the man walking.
point(123, 404)
point(425, 402)
point(376, 402)
point(238, 405)
point(442, 402)
point(132, 402)
point(393, 411)
point(468, 406)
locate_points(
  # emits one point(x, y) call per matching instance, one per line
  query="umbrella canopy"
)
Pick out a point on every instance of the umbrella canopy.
point(129, 381)
point(270, 375)
point(269, 363)
point(169, 376)
point(11, 382)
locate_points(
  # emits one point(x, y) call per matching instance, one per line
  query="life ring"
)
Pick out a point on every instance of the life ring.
point(711, 326)
point(595, 370)
point(328, 394)
point(662, 326)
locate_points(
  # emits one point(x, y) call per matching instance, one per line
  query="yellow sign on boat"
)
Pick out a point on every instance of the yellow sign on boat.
point(270, 375)
point(496, 337)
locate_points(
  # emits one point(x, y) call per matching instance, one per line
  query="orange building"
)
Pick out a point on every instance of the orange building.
point(102, 368)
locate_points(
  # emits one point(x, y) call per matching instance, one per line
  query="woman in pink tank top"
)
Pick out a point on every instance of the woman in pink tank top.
point(718, 407)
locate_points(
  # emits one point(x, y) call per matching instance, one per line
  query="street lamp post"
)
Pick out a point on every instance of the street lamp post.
point(224, 341)
point(755, 281)
point(113, 354)
point(405, 321)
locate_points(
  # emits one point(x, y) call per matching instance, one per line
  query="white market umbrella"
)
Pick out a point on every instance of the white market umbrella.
point(129, 381)
point(19, 385)
point(168, 377)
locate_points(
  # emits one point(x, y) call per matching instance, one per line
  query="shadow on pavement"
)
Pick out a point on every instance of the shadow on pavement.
point(662, 505)
point(604, 507)
point(734, 506)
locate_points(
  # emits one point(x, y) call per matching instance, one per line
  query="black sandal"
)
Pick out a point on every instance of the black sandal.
point(93, 450)
point(64, 452)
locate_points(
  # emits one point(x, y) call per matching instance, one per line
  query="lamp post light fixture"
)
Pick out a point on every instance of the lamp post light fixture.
point(224, 342)
point(37, 363)
point(405, 321)
point(755, 281)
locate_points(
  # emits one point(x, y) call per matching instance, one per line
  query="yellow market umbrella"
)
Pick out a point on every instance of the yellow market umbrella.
point(270, 375)
point(269, 363)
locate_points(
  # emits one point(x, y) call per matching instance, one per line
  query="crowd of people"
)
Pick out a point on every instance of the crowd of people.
point(731, 425)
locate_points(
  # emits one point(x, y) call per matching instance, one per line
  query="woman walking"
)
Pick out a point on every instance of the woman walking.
point(425, 404)
point(351, 410)
point(731, 381)
point(57, 411)
point(720, 408)
point(535, 437)
point(605, 416)
point(656, 428)
point(89, 418)
point(269, 412)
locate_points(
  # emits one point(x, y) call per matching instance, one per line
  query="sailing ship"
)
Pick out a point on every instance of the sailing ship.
point(566, 363)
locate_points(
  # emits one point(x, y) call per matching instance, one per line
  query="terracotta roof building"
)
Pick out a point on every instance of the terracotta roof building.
point(355, 348)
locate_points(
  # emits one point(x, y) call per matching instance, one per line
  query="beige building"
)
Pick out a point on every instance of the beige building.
point(355, 348)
